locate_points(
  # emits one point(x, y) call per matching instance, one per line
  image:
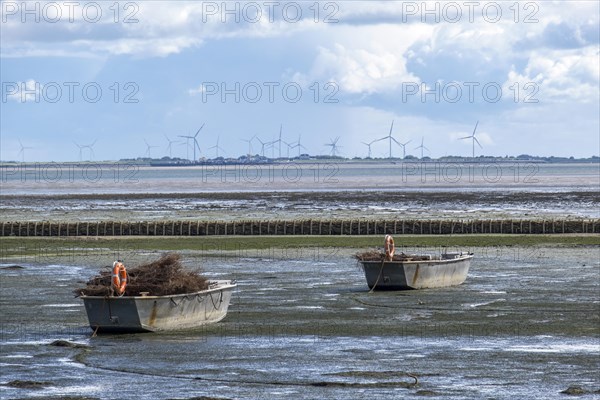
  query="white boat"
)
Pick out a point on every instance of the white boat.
point(418, 271)
point(159, 313)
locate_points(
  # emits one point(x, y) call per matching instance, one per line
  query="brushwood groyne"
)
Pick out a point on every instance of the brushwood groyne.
point(299, 227)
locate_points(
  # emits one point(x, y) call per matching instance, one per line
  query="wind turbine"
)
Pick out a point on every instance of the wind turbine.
point(333, 145)
point(194, 138)
point(289, 146)
point(169, 147)
point(278, 141)
point(272, 145)
point(391, 138)
point(22, 150)
point(249, 141)
point(148, 148)
point(299, 145)
point(262, 144)
point(422, 147)
point(404, 148)
point(474, 139)
point(217, 147)
point(90, 147)
point(369, 145)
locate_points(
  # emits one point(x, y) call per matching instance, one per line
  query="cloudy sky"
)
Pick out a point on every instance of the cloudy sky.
point(119, 74)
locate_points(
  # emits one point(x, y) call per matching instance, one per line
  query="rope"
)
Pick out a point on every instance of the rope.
point(81, 358)
point(219, 301)
point(378, 277)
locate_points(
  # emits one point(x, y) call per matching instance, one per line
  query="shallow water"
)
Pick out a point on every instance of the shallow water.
point(119, 178)
point(305, 326)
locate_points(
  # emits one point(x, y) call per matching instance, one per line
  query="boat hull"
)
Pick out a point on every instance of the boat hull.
point(159, 313)
point(406, 275)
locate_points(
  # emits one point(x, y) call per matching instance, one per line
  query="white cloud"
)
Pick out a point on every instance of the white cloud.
point(361, 70)
point(365, 60)
point(22, 92)
point(196, 91)
point(560, 75)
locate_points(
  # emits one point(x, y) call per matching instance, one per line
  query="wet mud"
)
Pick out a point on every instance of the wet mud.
point(489, 204)
point(523, 325)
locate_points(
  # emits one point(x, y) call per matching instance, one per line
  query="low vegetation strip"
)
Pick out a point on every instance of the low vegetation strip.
point(26, 249)
point(321, 227)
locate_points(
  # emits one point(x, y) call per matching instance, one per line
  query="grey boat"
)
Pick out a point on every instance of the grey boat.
point(159, 313)
point(418, 272)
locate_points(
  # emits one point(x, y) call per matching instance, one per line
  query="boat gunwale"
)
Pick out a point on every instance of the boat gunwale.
point(223, 286)
point(433, 261)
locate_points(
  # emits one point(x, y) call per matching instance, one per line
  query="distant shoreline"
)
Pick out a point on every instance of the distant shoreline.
point(158, 163)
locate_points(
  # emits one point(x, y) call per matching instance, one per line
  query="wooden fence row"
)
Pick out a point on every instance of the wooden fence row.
point(298, 227)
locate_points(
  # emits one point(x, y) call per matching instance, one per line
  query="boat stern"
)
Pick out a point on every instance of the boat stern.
point(112, 314)
point(159, 313)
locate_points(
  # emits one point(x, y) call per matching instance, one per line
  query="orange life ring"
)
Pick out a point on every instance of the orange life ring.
point(389, 248)
point(119, 278)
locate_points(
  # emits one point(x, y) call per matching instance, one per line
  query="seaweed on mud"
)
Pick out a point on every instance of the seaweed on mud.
point(165, 276)
point(378, 255)
point(27, 384)
point(576, 390)
point(66, 343)
point(13, 267)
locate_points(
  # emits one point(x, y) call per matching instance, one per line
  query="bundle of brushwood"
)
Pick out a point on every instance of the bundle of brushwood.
point(165, 276)
point(378, 255)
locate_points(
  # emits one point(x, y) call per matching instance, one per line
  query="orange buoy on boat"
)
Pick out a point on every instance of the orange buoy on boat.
point(119, 278)
point(389, 248)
